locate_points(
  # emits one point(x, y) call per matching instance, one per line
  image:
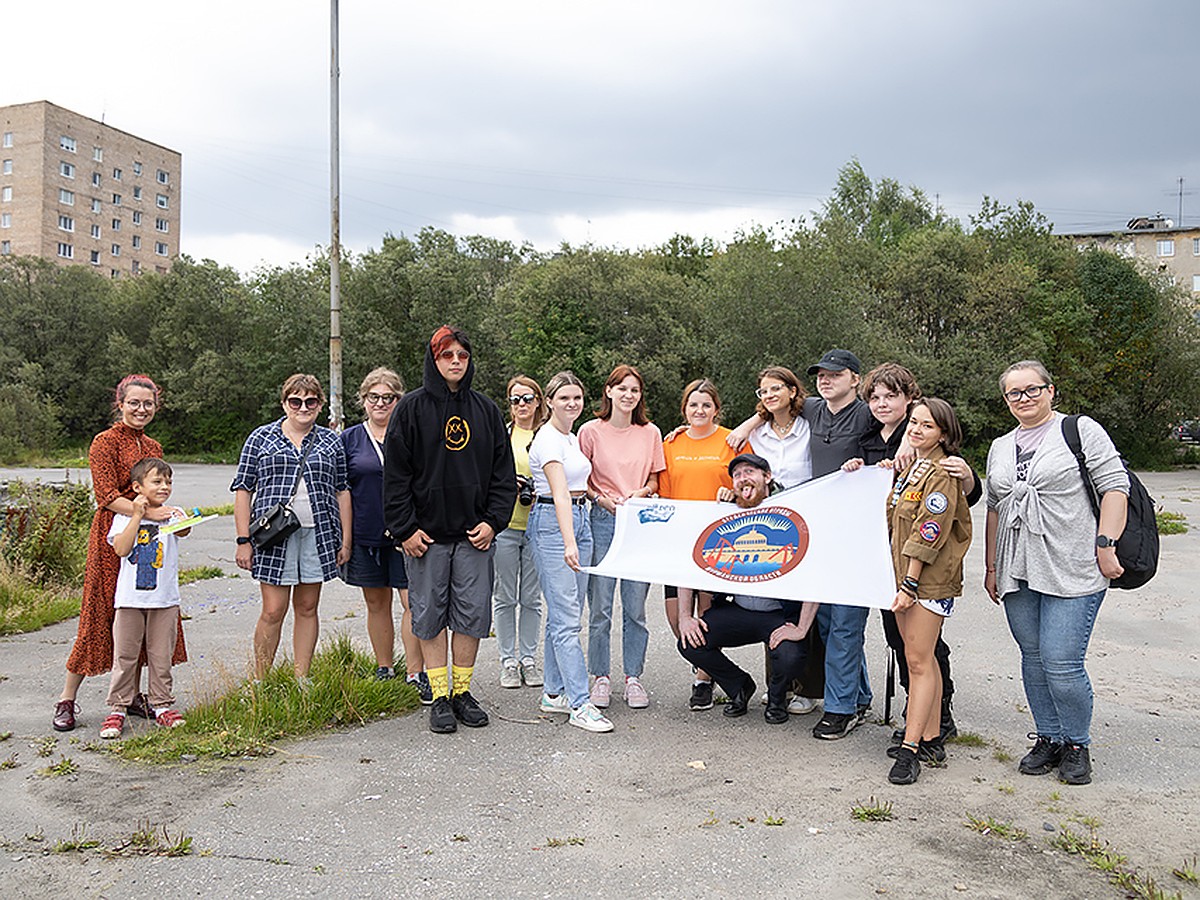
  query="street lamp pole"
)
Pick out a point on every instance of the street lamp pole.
point(335, 236)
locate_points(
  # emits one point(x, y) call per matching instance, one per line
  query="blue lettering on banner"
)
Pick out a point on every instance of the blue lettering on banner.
point(655, 514)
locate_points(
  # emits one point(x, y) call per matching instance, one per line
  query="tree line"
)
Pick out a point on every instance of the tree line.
point(877, 270)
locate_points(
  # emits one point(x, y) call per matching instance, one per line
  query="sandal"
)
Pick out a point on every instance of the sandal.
point(170, 718)
point(113, 726)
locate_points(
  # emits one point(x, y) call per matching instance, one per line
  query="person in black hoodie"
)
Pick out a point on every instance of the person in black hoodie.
point(448, 490)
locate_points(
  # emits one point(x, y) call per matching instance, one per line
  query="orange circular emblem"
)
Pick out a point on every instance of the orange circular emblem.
point(458, 433)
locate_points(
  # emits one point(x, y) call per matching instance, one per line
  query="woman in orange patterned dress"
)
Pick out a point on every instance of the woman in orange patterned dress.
point(111, 456)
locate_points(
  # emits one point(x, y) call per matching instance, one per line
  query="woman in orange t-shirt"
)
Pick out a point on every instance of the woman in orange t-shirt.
point(697, 465)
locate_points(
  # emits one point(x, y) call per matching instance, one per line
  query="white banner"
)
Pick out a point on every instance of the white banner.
point(824, 541)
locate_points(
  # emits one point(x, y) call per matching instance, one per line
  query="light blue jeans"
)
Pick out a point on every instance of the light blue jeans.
point(1053, 634)
point(634, 633)
point(516, 586)
point(843, 629)
point(565, 671)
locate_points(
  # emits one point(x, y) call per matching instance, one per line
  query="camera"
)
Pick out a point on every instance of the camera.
point(524, 490)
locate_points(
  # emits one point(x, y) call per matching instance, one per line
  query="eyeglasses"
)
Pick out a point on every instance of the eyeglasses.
point(140, 404)
point(306, 402)
point(517, 399)
point(769, 391)
point(381, 399)
point(454, 354)
point(1032, 392)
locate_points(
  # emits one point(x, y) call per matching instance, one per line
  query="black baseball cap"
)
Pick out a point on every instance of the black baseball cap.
point(835, 361)
point(753, 459)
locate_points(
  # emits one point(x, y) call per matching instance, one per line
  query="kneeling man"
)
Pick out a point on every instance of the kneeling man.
point(746, 619)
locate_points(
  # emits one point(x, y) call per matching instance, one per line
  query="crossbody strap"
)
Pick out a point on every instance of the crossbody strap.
point(1070, 430)
point(300, 469)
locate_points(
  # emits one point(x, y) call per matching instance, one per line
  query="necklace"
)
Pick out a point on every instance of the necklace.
point(782, 430)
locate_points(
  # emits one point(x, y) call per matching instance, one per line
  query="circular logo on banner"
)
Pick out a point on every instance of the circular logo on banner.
point(753, 545)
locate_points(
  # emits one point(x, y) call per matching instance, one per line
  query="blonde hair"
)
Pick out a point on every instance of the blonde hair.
point(379, 375)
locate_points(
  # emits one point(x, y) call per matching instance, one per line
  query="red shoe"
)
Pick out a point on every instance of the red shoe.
point(113, 726)
point(64, 715)
point(170, 718)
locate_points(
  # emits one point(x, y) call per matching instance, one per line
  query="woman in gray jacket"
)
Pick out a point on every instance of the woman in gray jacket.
point(1049, 561)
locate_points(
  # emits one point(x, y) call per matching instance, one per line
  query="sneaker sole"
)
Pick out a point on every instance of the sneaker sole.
point(444, 729)
point(552, 710)
point(591, 728)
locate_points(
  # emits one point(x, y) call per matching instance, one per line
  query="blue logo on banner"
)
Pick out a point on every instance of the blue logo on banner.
point(756, 545)
point(656, 514)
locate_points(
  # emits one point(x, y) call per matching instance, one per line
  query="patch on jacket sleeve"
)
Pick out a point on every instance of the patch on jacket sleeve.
point(930, 530)
point(912, 496)
point(937, 503)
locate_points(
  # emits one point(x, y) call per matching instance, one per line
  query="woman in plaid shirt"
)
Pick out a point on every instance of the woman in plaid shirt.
point(272, 459)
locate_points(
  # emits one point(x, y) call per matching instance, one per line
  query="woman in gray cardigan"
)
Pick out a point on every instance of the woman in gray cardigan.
point(1049, 561)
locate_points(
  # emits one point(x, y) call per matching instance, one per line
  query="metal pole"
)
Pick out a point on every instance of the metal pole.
point(335, 239)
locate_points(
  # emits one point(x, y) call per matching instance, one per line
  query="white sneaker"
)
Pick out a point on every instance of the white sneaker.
point(635, 693)
point(557, 704)
point(589, 718)
point(601, 694)
point(510, 675)
point(529, 672)
point(802, 706)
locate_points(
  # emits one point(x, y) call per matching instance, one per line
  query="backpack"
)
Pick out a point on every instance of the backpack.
point(1137, 547)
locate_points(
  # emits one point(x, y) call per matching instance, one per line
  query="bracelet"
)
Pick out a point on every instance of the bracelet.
point(905, 589)
point(909, 581)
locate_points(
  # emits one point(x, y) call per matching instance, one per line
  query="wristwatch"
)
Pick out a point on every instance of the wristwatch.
point(242, 540)
point(1103, 540)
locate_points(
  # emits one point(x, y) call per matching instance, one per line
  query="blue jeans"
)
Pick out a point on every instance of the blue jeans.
point(565, 670)
point(1053, 634)
point(843, 629)
point(516, 586)
point(634, 633)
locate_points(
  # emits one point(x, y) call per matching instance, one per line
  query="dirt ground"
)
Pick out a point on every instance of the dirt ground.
point(392, 810)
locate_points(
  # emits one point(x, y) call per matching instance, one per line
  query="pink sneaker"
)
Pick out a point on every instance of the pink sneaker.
point(601, 692)
point(635, 694)
point(112, 727)
point(170, 718)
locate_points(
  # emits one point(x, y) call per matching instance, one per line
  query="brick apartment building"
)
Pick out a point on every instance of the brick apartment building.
point(1158, 241)
point(77, 191)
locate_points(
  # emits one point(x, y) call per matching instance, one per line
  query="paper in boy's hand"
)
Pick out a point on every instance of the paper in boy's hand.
point(183, 524)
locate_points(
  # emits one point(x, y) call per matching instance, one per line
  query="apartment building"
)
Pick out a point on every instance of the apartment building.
point(77, 191)
point(1157, 240)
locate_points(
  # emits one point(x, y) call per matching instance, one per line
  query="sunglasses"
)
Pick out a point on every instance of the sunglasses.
point(454, 354)
point(305, 402)
point(381, 399)
point(517, 399)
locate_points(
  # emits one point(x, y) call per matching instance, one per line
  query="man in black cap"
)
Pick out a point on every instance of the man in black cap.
point(745, 619)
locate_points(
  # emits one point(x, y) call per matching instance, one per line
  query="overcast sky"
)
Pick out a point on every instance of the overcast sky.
point(622, 123)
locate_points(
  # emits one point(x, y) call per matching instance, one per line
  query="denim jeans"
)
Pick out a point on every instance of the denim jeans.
point(1053, 634)
point(634, 633)
point(843, 629)
point(516, 585)
point(565, 670)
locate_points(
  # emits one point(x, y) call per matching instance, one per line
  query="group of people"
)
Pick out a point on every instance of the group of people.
point(473, 520)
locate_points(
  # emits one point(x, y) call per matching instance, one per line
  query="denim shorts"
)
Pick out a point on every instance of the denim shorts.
point(375, 567)
point(301, 563)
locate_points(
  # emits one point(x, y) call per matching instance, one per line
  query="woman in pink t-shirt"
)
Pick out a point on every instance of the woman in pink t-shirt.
point(626, 453)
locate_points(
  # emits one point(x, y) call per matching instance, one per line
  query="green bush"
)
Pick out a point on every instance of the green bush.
point(44, 531)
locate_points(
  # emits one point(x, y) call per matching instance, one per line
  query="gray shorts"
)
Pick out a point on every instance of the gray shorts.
point(301, 563)
point(451, 587)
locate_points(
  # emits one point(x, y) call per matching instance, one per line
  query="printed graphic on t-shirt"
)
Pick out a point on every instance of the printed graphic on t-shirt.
point(147, 555)
point(1023, 460)
point(458, 433)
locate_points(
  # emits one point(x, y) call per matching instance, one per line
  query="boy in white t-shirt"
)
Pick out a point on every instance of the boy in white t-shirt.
point(146, 600)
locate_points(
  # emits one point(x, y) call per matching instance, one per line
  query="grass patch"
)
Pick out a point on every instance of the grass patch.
point(967, 739)
point(246, 719)
point(199, 573)
point(873, 811)
point(1000, 755)
point(27, 606)
point(224, 510)
point(64, 766)
point(1103, 858)
point(1171, 522)
point(988, 825)
point(1187, 872)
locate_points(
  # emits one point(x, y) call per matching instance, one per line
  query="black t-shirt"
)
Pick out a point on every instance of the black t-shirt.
point(835, 438)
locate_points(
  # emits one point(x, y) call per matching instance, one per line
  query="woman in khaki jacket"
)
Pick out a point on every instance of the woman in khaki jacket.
point(930, 525)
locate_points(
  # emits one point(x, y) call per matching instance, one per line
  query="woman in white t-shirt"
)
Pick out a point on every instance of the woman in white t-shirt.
point(562, 536)
point(626, 454)
point(782, 435)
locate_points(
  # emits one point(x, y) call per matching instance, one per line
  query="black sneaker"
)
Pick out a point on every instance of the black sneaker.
point(949, 729)
point(140, 707)
point(384, 673)
point(424, 691)
point(701, 696)
point(1044, 756)
point(1076, 765)
point(933, 752)
point(834, 726)
point(441, 717)
point(468, 711)
point(906, 769)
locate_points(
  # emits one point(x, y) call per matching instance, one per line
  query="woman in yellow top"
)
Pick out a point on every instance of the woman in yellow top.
point(697, 466)
point(516, 574)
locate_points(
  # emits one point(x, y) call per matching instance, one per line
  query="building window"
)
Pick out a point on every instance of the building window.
point(6, 193)
point(1164, 248)
point(5, 220)
point(137, 242)
point(1196, 284)
point(95, 257)
point(97, 154)
point(66, 223)
point(67, 198)
point(114, 273)
point(162, 177)
point(137, 168)
point(5, 248)
point(160, 248)
point(66, 251)
point(116, 174)
point(116, 249)
point(7, 170)
point(66, 143)
point(162, 225)
point(161, 201)
point(137, 218)
point(136, 267)
point(66, 170)
point(95, 205)
point(137, 193)
point(7, 142)
point(116, 224)
point(95, 179)
point(1195, 246)
point(116, 199)
point(96, 231)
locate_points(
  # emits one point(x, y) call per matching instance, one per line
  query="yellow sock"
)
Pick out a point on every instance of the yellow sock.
point(439, 681)
point(462, 678)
